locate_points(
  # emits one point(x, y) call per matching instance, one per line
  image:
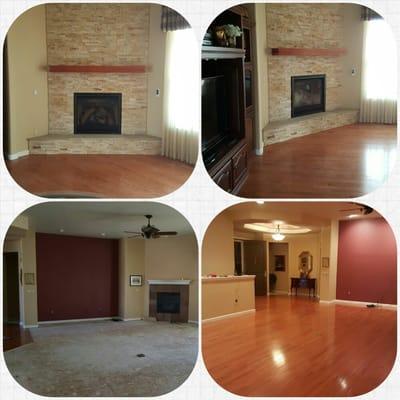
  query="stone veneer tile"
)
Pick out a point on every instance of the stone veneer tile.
point(302, 26)
point(97, 34)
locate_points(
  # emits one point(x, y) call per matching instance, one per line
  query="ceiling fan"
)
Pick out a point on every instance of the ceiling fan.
point(363, 209)
point(150, 231)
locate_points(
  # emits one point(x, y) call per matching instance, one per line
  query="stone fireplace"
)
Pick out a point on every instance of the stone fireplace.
point(97, 113)
point(169, 300)
point(97, 74)
point(307, 94)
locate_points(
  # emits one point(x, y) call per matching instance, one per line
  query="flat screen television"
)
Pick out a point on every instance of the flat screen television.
point(214, 114)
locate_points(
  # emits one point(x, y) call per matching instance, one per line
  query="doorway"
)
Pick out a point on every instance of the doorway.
point(11, 313)
point(278, 261)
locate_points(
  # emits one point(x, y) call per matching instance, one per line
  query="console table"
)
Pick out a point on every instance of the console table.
point(306, 283)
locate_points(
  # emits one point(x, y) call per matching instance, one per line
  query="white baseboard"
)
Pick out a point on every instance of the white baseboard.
point(66, 321)
point(326, 301)
point(236, 314)
point(364, 304)
point(30, 326)
point(17, 155)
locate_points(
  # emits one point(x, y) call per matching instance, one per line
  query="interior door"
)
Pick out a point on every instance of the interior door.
point(255, 264)
point(10, 288)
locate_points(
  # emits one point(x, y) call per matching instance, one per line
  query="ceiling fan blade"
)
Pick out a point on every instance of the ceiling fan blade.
point(172, 233)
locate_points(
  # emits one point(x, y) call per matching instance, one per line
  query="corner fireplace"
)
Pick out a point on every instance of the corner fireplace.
point(308, 94)
point(169, 300)
point(97, 113)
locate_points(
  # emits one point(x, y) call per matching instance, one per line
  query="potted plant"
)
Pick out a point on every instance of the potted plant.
point(226, 35)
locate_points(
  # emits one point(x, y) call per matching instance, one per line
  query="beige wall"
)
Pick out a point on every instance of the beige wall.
point(227, 297)
point(218, 250)
point(26, 248)
point(261, 75)
point(155, 78)
point(173, 258)
point(29, 266)
point(353, 32)
point(27, 60)
point(131, 262)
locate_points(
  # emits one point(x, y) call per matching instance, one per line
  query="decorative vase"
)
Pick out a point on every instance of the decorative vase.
point(232, 41)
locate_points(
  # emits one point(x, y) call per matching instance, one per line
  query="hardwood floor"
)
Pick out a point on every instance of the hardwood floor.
point(15, 336)
point(339, 163)
point(99, 175)
point(297, 347)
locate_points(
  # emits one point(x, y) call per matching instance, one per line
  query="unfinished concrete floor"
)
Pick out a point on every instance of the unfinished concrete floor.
point(100, 358)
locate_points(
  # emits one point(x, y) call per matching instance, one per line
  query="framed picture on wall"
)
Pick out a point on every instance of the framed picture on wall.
point(135, 280)
point(280, 263)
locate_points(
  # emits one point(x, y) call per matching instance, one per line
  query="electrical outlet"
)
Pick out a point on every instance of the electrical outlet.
point(353, 71)
point(157, 92)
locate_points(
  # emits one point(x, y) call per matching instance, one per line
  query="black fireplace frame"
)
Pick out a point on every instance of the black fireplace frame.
point(298, 112)
point(118, 125)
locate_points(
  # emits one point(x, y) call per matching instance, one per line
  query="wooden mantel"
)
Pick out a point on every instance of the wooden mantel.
point(307, 52)
point(104, 69)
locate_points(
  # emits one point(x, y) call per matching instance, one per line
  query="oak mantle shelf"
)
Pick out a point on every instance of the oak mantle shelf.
point(104, 69)
point(307, 52)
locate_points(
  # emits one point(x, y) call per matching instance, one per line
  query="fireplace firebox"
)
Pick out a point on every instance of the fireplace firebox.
point(308, 94)
point(168, 302)
point(97, 113)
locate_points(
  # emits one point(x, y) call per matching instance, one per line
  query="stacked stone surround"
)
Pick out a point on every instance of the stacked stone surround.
point(303, 26)
point(95, 144)
point(280, 131)
point(96, 34)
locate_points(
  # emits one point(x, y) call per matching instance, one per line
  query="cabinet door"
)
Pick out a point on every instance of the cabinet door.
point(255, 264)
point(223, 178)
point(239, 162)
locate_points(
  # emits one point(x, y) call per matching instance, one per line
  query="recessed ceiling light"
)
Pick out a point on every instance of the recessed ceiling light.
point(61, 230)
point(103, 234)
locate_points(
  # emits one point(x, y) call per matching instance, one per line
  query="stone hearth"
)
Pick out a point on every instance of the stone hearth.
point(279, 131)
point(95, 144)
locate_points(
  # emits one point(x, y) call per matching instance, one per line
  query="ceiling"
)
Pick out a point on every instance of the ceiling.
point(312, 215)
point(93, 219)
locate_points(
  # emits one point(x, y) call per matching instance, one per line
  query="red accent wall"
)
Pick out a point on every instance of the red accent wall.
point(77, 277)
point(367, 267)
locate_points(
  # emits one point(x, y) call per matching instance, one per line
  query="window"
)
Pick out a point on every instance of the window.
point(380, 61)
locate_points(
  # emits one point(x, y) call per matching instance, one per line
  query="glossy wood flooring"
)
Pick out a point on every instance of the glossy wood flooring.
point(15, 336)
point(339, 163)
point(99, 175)
point(293, 346)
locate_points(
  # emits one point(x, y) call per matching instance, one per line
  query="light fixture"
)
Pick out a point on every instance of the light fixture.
point(278, 235)
point(353, 216)
point(61, 230)
point(270, 227)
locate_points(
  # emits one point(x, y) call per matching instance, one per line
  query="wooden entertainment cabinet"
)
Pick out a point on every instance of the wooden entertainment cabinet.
point(227, 162)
